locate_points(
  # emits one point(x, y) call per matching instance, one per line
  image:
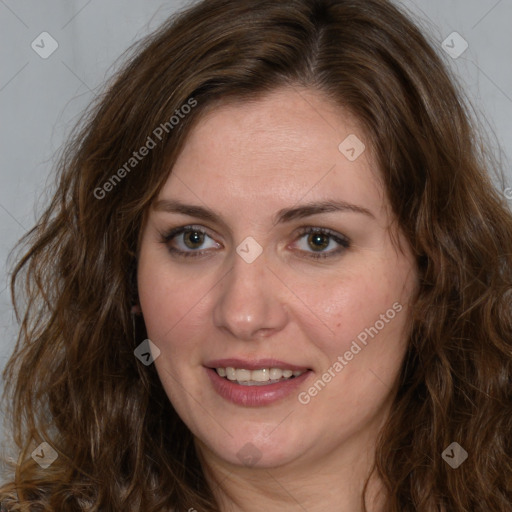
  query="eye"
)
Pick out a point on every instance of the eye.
point(317, 240)
point(188, 241)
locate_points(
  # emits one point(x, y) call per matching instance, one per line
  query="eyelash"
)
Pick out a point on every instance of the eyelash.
point(168, 236)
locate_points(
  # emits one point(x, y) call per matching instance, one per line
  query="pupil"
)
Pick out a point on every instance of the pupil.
point(193, 239)
point(319, 240)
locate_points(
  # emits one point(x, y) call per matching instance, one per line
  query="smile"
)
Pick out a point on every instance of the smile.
point(259, 377)
point(255, 383)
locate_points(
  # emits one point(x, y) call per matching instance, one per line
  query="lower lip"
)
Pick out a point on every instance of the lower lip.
point(254, 396)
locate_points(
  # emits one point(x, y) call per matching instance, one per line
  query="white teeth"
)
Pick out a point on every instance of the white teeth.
point(243, 375)
point(256, 377)
point(260, 375)
point(275, 373)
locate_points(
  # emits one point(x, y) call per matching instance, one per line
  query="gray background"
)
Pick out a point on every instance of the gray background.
point(41, 99)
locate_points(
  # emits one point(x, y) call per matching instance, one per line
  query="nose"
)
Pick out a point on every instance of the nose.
point(251, 302)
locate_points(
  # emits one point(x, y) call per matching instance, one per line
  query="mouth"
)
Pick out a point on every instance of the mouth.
point(258, 377)
point(255, 383)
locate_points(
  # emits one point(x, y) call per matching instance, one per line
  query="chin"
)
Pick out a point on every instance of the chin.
point(257, 450)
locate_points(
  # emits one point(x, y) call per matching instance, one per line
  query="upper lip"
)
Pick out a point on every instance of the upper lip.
point(254, 364)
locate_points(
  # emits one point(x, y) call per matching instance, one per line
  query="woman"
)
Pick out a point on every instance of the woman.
point(275, 275)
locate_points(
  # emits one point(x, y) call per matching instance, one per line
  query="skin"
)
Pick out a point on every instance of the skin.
point(246, 162)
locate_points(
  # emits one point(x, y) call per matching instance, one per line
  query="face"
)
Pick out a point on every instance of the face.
point(269, 282)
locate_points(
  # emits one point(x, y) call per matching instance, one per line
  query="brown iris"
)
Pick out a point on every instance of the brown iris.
point(318, 241)
point(193, 239)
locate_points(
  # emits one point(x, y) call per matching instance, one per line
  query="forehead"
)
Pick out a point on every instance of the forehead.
point(281, 147)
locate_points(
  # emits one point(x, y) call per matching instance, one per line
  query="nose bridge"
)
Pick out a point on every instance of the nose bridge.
point(249, 303)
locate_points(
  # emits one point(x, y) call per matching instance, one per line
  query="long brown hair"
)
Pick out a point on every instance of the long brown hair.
point(73, 380)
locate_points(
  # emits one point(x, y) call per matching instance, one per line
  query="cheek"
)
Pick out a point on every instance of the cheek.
point(363, 349)
point(361, 316)
point(340, 308)
point(159, 306)
point(164, 295)
point(176, 307)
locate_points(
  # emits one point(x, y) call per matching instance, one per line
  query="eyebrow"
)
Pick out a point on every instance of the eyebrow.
point(282, 216)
